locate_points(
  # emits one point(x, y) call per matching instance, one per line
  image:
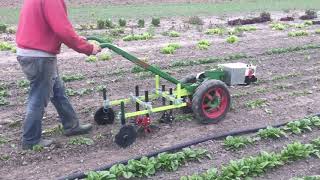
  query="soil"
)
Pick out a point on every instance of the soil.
point(18, 3)
point(289, 98)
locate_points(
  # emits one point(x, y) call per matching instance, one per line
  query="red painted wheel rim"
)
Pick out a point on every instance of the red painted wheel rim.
point(214, 102)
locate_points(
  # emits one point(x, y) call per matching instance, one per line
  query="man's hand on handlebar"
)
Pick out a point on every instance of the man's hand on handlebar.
point(96, 49)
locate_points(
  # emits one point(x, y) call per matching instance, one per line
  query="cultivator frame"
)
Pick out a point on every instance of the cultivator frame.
point(208, 97)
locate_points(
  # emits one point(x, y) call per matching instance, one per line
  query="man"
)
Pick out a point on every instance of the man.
point(43, 27)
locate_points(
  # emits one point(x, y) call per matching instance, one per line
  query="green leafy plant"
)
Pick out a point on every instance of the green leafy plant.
point(3, 28)
point(109, 23)
point(215, 31)
point(174, 34)
point(105, 57)
point(257, 103)
point(297, 127)
point(315, 121)
point(317, 31)
point(141, 23)
point(155, 22)
point(133, 37)
point(195, 20)
point(4, 157)
point(308, 23)
point(100, 175)
point(100, 24)
point(170, 48)
point(296, 151)
point(238, 142)
point(92, 59)
point(81, 141)
point(122, 22)
point(3, 140)
point(271, 132)
point(245, 28)
point(278, 26)
point(203, 44)
point(307, 178)
point(4, 46)
point(232, 39)
point(23, 83)
point(37, 148)
point(146, 167)
point(298, 33)
point(72, 77)
point(57, 130)
point(70, 92)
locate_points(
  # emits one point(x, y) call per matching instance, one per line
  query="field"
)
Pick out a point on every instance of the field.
point(286, 55)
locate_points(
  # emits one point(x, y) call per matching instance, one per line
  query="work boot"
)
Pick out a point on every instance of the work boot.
point(42, 142)
point(81, 129)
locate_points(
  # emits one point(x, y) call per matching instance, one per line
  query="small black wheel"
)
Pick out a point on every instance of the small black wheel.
point(104, 116)
point(126, 136)
point(211, 101)
point(188, 100)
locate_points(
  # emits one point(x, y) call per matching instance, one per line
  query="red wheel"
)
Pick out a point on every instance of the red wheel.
point(211, 101)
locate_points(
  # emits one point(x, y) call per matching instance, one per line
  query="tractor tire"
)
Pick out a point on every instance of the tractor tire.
point(211, 102)
point(188, 100)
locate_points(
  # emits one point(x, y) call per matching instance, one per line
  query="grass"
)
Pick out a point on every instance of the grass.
point(92, 13)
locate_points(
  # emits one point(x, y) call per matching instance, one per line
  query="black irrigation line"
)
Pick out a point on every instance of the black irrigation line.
point(174, 148)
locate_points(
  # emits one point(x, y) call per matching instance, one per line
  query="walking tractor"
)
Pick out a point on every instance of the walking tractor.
point(205, 94)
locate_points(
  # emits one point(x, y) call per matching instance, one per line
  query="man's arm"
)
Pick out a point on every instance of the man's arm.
point(56, 15)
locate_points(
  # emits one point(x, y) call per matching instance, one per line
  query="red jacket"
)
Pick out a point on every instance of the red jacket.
point(44, 26)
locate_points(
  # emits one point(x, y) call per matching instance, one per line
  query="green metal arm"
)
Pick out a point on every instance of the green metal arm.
point(138, 62)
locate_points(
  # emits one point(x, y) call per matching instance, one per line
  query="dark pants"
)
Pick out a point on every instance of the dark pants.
point(45, 84)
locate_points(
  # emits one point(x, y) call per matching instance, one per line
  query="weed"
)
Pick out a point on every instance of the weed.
point(81, 141)
point(278, 26)
point(92, 59)
point(105, 57)
point(3, 28)
point(100, 24)
point(3, 140)
point(203, 44)
point(73, 77)
point(37, 148)
point(308, 23)
point(232, 39)
point(71, 92)
point(23, 83)
point(298, 33)
point(155, 22)
point(257, 103)
point(170, 48)
point(215, 31)
point(109, 23)
point(238, 142)
point(54, 131)
point(141, 23)
point(133, 37)
point(4, 46)
point(4, 157)
point(245, 28)
point(122, 22)
point(174, 34)
point(195, 20)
